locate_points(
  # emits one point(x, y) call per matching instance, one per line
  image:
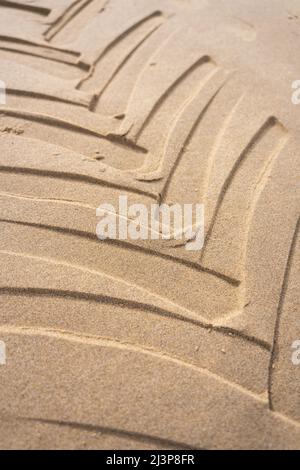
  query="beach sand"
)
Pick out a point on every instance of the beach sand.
point(142, 344)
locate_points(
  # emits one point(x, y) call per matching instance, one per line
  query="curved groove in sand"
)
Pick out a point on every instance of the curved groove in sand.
point(25, 7)
point(49, 97)
point(137, 437)
point(121, 37)
point(156, 299)
point(75, 177)
point(129, 246)
point(118, 69)
point(68, 15)
point(52, 121)
point(186, 142)
point(203, 60)
point(274, 351)
point(41, 44)
point(91, 340)
point(271, 122)
point(87, 297)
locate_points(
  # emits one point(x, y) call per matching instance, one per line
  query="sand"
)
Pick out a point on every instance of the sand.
point(124, 344)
